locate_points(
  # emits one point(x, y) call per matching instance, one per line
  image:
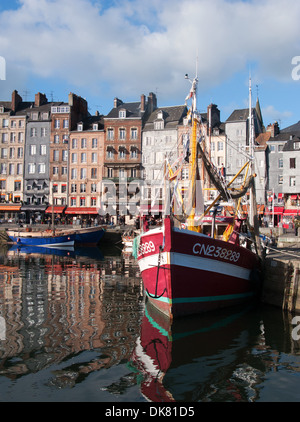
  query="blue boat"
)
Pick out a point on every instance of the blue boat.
point(88, 236)
point(46, 238)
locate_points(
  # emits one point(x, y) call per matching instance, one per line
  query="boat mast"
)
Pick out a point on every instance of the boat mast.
point(193, 146)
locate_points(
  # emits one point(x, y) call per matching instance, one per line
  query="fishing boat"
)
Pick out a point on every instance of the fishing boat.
point(46, 238)
point(186, 269)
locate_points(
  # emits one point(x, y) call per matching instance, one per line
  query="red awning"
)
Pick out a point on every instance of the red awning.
point(280, 195)
point(56, 210)
point(10, 207)
point(294, 196)
point(81, 210)
point(277, 211)
point(153, 208)
point(292, 212)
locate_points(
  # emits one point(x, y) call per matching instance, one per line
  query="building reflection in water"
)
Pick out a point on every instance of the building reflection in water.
point(54, 307)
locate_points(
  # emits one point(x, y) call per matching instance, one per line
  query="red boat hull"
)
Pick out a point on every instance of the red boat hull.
point(185, 272)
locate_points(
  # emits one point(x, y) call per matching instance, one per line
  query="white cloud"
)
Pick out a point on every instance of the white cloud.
point(137, 45)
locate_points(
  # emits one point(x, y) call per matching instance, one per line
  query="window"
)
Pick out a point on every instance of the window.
point(109, 172)
point(56, 123)
point(42, 168)
point(110, 134)
point(73, 174)
point(122, 153)
point(43, 150)
point(74, 143)
point(33, 132)
point(73, 188)
point(74, 157)
point(64, 170)
point(292, 163)
point(20, 152)
point(56, 155)
point(56, 139)
point(94, 157)
point(83, 173)
point(293, 181)
point(12, 137)
point(80, 127)
point(94, 143)
point(73, 202)
point(110, 153)
point(4, 138)
point(93, 202)
point(43, 132)
point(65, 155)
point(158, 125)
point(122, 114)
point(280, 163)
point(11, 169)
point(17, 186)
point(66, 123)
point(19, 169)
point(3, 152)
point(133, 133)
point(82, 187)
point(220, 146)
point(63, 188)
point(122, 133)
point(296, 145)
point(95, 126)
point(31, 168)
point(20, 137)
point(83, 157)
point(94, 173)
point(55, 171)
point(133, 153)
point(83, 143)
point(32, 149)
point(11, 152)
point(82, 202)
point(93, 187)
point(133, 172)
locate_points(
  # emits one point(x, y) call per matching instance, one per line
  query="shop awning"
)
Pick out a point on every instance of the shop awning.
point(34, 208)
point(277, 211)
point(291, 212)
point(294, 196)
point(12, 208)
point(56, 210)
point(81, 210)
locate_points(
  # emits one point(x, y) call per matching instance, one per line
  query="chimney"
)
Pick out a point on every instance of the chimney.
point(213, 115)
point(97, 113)
point(143, 100)
point(16, 99)
point(117, 102)
point(274, 129)
point(152, 102)
point(40, 99)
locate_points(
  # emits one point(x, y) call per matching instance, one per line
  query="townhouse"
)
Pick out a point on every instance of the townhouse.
point(86, 158)
point(123, 127)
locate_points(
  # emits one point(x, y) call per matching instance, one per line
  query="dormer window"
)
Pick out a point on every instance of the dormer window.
point(296, 145)
point(160, 115)
point(95, 126)
point(122, 114)
point(80, 127)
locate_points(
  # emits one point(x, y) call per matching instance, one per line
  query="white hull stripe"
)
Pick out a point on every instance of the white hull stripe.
point(195, 262)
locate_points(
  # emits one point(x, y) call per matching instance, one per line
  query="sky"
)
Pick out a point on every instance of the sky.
point(101, 49)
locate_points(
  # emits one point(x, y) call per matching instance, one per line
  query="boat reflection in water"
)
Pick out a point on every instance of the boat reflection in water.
point(65, 314)
point(189, 359)
point(68, 251)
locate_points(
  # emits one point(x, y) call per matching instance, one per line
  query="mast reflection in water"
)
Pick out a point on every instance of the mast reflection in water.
point(74, 327)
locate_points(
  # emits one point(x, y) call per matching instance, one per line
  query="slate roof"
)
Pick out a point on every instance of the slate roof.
point(292, 128)
point(172, 116)
point(133, 110)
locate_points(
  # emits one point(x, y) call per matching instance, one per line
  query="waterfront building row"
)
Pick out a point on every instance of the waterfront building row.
point(56, 157)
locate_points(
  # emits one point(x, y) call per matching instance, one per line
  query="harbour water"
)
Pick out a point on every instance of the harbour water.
point(74, 327)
